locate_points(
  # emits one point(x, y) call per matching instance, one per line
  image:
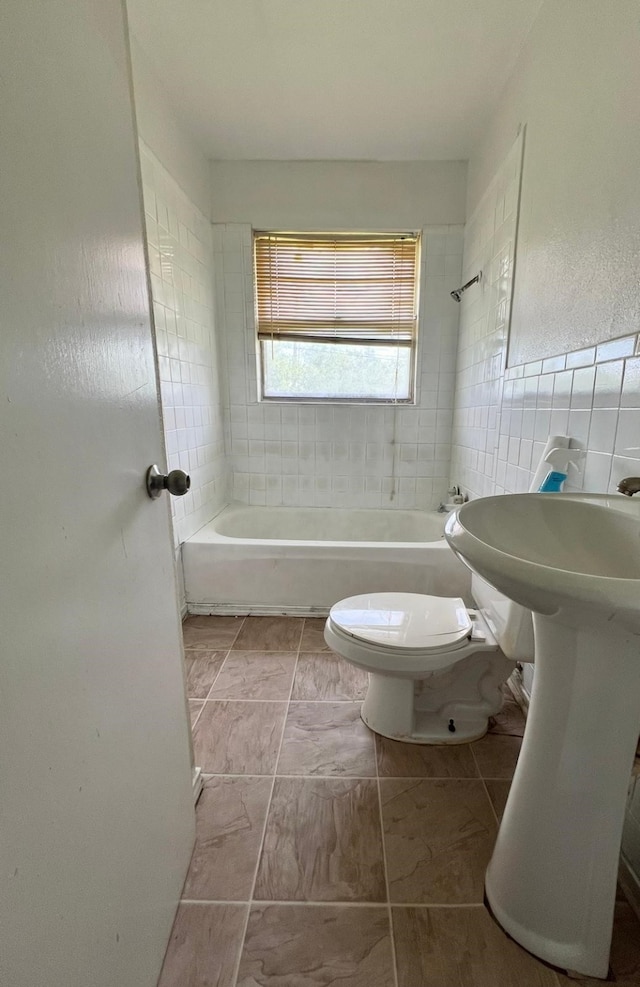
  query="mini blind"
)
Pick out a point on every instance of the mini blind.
point(358, 288)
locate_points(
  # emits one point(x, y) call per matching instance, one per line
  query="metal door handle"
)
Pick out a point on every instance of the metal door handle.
point(177, 482)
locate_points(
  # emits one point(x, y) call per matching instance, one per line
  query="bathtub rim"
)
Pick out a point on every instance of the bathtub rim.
point(217, 538)
point(280, 548)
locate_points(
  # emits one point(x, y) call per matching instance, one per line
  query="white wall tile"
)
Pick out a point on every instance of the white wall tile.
point(351, 456)
point(187, 340)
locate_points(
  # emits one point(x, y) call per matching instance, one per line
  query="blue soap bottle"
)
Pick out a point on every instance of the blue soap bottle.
point(552, 482)
point(559, 461)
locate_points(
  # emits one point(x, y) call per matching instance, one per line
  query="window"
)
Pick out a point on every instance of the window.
point(337, 315)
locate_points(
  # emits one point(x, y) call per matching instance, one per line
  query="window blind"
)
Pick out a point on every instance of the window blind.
point(358, 288)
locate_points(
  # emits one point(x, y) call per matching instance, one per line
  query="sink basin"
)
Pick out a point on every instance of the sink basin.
point(574, 560)
point(575, 554)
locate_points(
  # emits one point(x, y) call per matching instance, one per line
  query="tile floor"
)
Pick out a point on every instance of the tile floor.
point(326, 855)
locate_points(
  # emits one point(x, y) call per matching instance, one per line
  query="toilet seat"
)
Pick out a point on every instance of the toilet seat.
point(435, 669)
point(407, 623)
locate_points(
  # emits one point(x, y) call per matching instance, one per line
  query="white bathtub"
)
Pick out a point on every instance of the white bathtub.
point(292, 560)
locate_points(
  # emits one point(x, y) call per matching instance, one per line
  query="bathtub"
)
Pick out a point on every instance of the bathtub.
point(300, 561)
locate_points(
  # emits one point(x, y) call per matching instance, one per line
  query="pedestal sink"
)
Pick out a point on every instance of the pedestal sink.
point(574, 560)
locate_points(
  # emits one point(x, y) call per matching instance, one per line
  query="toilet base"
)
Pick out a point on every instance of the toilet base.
point(430, 729)
point(450, 708)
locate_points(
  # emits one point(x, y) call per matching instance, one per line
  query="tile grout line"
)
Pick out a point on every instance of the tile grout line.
point(392, 943)
point(221, 774)
point(318, 702)
point(217, 675)
point(186, 651)
point(484, 785)
point(203, 701)
point(331, 903)
point(236, 971)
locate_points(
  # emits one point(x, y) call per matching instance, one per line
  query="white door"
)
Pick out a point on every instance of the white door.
point(96, 815)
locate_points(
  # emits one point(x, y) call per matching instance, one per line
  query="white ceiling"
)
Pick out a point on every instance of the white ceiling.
point(333, 79)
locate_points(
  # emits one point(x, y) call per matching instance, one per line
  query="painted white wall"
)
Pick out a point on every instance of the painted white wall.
point(161, 129)
point(574, 366)
point(576, 87)
point(345, 195)
point(96, 805)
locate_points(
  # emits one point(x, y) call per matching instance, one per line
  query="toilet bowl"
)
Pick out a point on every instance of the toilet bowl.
point(435, 666)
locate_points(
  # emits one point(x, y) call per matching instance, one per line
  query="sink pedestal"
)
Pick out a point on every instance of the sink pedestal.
point(551, 882)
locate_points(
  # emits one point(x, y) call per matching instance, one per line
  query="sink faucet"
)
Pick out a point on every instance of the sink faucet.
point(629, 486)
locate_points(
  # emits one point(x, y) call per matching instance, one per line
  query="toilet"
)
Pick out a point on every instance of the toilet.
point(435, 666)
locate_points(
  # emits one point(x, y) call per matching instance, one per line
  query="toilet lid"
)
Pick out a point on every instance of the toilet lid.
point(403, 621)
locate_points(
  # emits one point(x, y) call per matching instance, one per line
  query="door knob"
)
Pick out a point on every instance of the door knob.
point(177, 482)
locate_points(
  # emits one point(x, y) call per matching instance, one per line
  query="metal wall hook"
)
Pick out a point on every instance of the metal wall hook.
point(177, 482)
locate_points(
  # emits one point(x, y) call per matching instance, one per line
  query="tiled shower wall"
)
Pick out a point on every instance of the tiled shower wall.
point(503, 416)
point(297, 454)
point(181, 261)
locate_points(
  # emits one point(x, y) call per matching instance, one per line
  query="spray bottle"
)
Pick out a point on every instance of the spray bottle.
point(560, 460)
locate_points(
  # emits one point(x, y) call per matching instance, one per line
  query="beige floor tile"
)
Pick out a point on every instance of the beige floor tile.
point(204, 946)
point(239, 738)
point(313, 635)
point(322, 842)
point(256, 675)
point(510, 720)
point(195, 705)
point(269, 634)
point(461, 947)
point(326, 739)
point(398, 760)
point(230, 819)
point(498, 792)
point(211, 633)
point(625, 952)
point(323, 675)
point(315, 946)
point(496, 755)
point(438, 838)
point(202, 670)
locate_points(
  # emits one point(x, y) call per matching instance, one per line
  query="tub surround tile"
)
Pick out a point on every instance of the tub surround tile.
point(462, 946)
point(438, 838)
point(322, 842)
point(399, 760)
point(195, 705)
point(313, 635)
point(211, 633)
point(202, 669)
point(326, 739)
point(256, 675)
point(239, 737)
point(204, 946)
point(317, 946)
point(230, 819)
point(324, 675)
point(269, 634)
point(498, 793)
point(496, 755)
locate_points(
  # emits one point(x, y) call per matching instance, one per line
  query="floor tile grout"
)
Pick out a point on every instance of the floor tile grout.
point(264, 828)
point(291, 703)
point(392, 941)
point(338, 777)
point(331, 903)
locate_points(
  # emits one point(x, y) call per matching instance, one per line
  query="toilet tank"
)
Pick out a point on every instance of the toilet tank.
point(511, 623)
